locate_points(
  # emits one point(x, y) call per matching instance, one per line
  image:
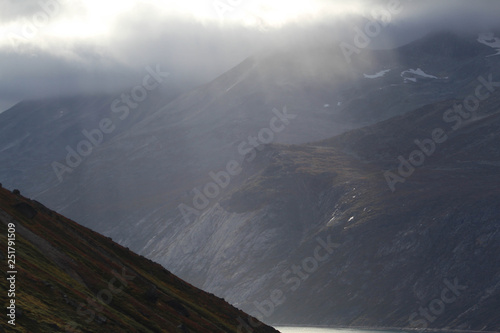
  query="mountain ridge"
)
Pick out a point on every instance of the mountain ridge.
point(360, 120)
point(70, 278)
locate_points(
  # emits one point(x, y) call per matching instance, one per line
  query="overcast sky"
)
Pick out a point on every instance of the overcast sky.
point(55, 47)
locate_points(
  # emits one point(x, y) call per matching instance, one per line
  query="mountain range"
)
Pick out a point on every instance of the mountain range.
point(300, 187)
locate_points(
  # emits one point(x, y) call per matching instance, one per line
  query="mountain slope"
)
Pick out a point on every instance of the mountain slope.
point(36, 133)
point(153, 167)
point(391, 252)
point(287, 200)
point(70, 278)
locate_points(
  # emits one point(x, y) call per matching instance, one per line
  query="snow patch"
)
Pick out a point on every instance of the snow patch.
point(420, 72)
point(377, 75)
point(330, 223)
point(490, 40)
point(13, 144)
point(409, 75)
point(326, 105)
point(233, 85)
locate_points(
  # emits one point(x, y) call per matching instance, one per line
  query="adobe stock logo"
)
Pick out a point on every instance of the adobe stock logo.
point(437, 306)
point(292, 279)
point(458, 115)
point(94, 307)
point(248, 149)
point(235, 8)
point(381, 18)
point(38, 21)
point(121, 106)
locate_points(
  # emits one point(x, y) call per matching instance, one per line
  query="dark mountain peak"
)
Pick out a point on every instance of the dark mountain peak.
point(446, 44)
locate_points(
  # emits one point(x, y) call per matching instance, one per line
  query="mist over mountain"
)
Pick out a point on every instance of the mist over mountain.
point(55, 48)
point(331, 167)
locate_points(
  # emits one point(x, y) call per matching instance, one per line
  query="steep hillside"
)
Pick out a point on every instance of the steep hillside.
point(390, 252)
point(71, 279)
point(212, 186)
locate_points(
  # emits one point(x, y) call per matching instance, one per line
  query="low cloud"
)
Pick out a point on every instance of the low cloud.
point(83, 47)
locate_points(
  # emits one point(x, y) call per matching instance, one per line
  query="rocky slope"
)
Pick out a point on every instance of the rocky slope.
point(391, 253)
point(71, 279)
point(171, 186)
point(161, 154)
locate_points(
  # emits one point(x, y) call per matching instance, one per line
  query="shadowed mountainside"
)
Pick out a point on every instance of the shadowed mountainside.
point(392, 252)
point(71, 279)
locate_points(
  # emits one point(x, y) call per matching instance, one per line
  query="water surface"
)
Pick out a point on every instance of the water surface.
point(284, 329)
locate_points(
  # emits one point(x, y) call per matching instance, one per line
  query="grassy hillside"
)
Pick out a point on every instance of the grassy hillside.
point(71, 279)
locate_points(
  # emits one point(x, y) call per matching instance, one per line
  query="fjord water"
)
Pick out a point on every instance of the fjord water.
point(284, 329)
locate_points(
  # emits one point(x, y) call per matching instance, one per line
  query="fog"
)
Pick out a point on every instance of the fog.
point(58, 47)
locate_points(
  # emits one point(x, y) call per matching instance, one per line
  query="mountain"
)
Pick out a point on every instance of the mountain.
point(71, 279)
point(392, 253)
point(272, 186)
point(35, 133)
point(320, 225)
point(155, 165)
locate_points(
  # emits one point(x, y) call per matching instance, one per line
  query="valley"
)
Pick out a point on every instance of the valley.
point(301, 189)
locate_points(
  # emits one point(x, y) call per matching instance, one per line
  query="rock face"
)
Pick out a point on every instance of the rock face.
point(382, 224)
point(317, 235)
point(390, 259)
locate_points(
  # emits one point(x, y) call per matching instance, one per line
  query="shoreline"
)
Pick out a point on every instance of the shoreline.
point(394, 329)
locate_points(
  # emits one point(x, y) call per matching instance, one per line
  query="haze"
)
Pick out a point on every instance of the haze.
point(60, 47)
